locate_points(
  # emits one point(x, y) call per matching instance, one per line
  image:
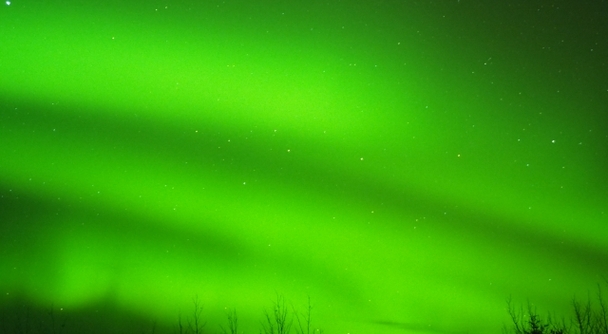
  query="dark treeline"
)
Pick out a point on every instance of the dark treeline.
point(20, 317)
point(589, 317)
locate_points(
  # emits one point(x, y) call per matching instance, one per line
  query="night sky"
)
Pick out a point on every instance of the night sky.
point(409, 166)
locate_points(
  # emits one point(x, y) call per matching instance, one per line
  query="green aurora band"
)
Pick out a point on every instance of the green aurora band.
point(408, 165)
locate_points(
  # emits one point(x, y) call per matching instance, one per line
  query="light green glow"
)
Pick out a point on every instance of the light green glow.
point(235, 153)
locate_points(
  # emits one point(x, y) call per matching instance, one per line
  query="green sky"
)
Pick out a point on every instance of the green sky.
point(409, 165)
